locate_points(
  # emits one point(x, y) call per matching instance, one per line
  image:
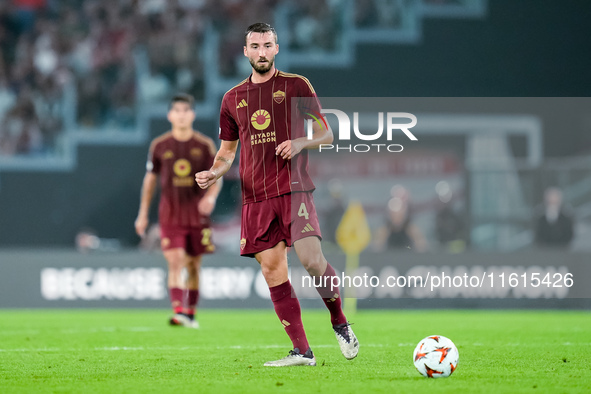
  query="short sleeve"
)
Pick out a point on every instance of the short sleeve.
point(228, 127)
point(309, 103)
point(154, 163)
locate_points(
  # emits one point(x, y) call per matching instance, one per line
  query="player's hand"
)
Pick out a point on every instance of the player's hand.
point(206, 205)
point(288, 149)
point(141, 224)
point(205, 179)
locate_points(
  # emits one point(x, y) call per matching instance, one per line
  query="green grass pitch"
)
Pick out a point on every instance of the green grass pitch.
point(128, 351)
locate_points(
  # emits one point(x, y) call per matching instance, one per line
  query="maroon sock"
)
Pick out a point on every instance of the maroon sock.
point(192, 300)
point(176, 299)
point(331, 296)
point(289, 313)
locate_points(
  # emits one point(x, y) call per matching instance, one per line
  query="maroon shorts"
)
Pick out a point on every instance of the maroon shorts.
point(195, 240)
point(288, 218)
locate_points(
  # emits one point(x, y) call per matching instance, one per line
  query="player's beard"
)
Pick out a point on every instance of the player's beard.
point(261, 69)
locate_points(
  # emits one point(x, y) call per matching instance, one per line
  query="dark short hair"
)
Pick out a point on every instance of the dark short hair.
point(260, 27)
point(182, 98)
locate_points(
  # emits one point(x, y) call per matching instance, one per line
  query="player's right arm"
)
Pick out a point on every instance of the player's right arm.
point(148, 188)
point(221, 164)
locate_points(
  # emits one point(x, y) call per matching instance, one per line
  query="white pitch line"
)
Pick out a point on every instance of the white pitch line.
point(141, 348)
point(45, 349)
point(242, 347)
point(108, 329)
point(75, 331)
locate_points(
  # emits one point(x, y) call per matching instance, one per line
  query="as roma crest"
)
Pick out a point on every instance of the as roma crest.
point(279, 96)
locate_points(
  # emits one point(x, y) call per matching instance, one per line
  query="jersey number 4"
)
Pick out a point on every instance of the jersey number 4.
point(303, 211)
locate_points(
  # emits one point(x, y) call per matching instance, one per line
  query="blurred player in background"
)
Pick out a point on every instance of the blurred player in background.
point(184, 208)
point(273, 171)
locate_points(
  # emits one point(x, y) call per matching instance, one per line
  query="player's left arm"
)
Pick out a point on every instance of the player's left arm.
point(320, 135)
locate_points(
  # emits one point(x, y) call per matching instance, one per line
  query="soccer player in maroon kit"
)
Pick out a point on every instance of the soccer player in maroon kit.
point(184, 208)
point(273, 171)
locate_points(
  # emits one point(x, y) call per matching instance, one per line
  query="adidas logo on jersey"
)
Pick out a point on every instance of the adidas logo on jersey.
point(242, 104)
point(307, 228)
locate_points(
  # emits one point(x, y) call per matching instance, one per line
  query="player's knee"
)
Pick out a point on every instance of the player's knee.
point(270, 271)
point(192, 270)
point(176, 263)
point(314, 264)
point(195, 264)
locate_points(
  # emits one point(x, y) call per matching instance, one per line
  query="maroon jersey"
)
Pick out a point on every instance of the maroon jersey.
point(176, 162)
point(260, 116)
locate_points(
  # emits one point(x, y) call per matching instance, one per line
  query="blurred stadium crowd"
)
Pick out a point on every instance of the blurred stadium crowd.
point(88, 64)
point(88, 47)
point(49, 47)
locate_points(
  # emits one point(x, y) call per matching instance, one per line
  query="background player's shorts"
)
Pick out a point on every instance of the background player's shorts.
point(195, 240)
point(288, 218)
